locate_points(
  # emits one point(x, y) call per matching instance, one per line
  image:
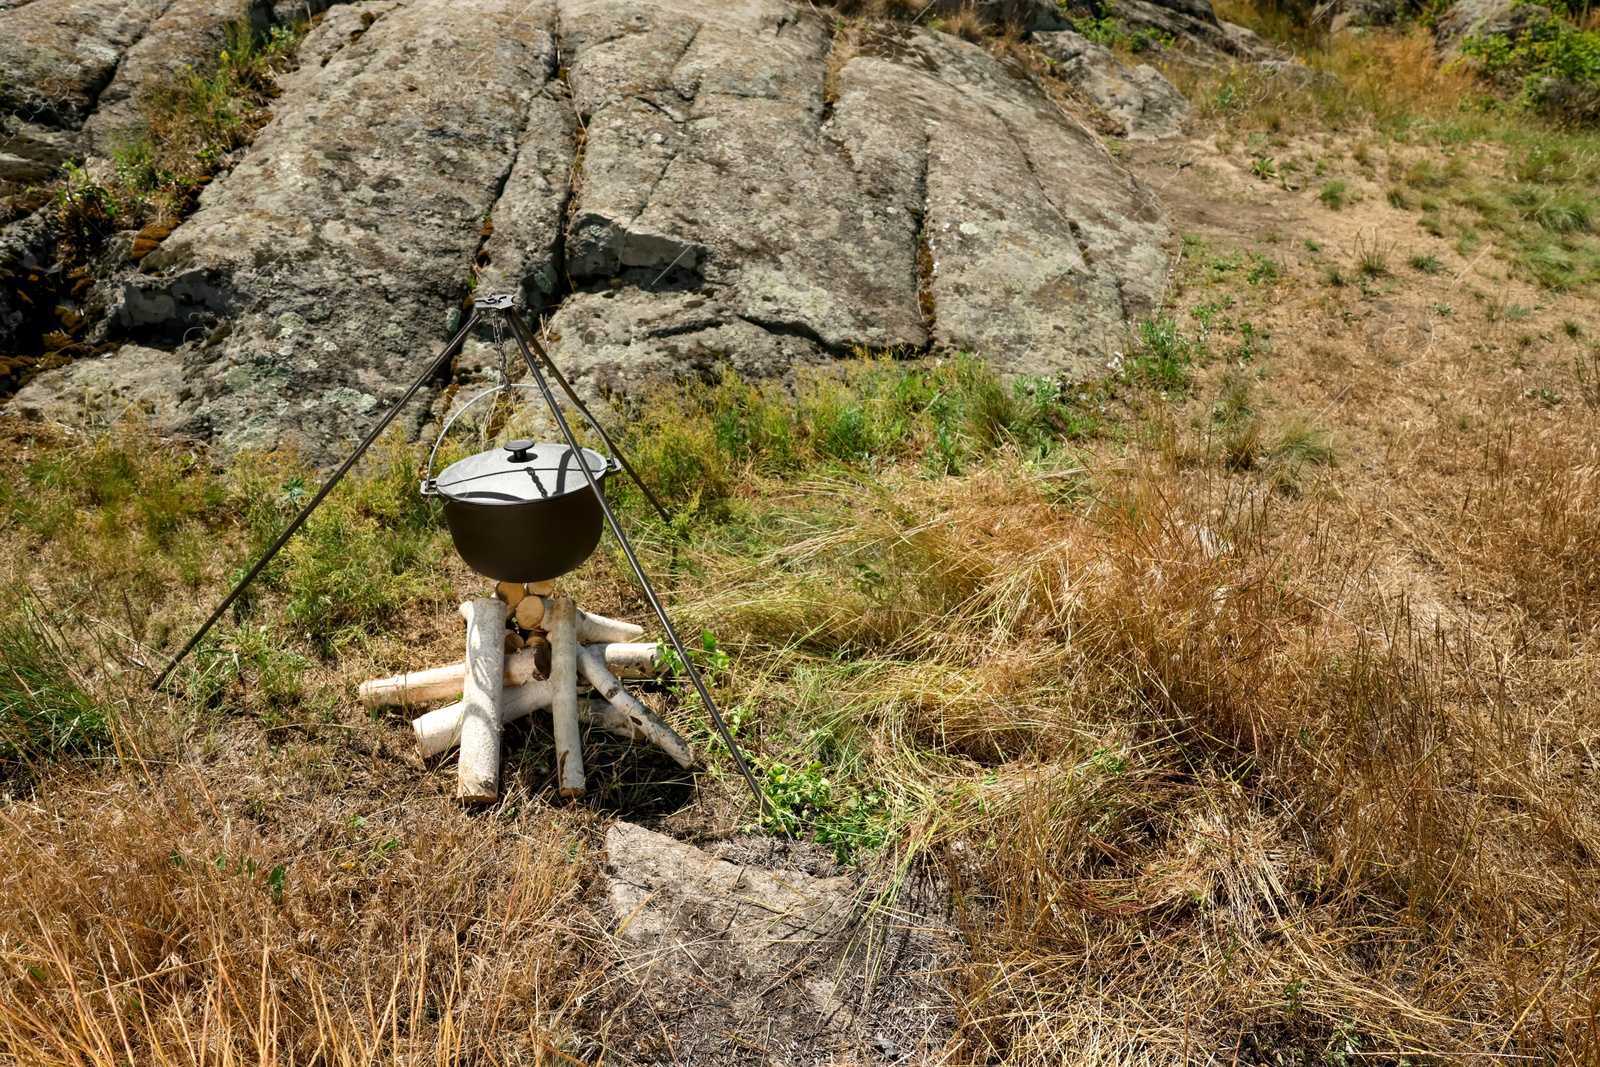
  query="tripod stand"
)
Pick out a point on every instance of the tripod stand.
point(529, 346)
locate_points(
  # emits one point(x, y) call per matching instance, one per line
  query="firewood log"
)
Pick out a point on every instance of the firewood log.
point(530, 612)
point(630, 659)
point(512, 593)
point(594, 629)
point(544, 588)
point(479, 770)
point(622, 658)
point(514, 642)
point(564, 696)
point(643, 719)
point(440, 730)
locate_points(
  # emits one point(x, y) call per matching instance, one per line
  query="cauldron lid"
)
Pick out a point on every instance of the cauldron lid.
point(518, 472)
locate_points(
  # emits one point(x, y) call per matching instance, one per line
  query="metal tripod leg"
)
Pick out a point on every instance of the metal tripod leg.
point(327, 487)
point(555, 372)
point(633, 561)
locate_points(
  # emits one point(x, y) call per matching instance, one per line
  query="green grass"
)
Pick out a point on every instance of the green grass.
point(699, 442)
point(44, 713)
point(1474, 168)
point(1540, 203)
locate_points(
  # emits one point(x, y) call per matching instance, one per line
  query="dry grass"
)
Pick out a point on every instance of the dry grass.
point(143, 925)
point(1256, 724)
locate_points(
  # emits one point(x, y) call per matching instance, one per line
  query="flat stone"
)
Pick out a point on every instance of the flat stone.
point(1138, 98)
point(143, 383)
point(726, 956)
point(344, 241)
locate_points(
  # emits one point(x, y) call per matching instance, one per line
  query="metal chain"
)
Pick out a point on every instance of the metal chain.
point(500, 350)
point(498, 328)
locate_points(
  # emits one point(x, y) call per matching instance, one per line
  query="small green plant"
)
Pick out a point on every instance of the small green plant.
point(1426, 264)
point(1164, 357)
point(1263, 270)
point(1372, 257)
point(846, 818)
point(1335, 194)
point(710, 659)
point(1294, 992)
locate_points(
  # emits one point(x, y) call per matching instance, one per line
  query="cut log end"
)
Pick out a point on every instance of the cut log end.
point(529, 613)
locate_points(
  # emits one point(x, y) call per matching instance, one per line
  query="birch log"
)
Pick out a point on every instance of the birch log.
point(598, 628)
point(479, 771)
point(623, 658)
point(562, 616)
point(440, 730)
point(643, 719)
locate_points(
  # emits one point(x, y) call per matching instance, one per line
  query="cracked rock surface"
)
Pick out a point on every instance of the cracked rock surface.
point(668, 183)
point(317, 277)
point(1144, 103)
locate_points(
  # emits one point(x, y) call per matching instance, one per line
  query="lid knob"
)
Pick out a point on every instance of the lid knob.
point(519, 450)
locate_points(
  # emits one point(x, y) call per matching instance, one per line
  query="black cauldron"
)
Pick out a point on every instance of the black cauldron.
point(523, 512)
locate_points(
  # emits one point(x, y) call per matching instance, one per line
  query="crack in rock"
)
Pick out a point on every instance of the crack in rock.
point(721, 214)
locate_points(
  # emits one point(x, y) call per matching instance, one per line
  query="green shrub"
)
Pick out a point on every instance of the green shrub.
point(1113, 33)
point(1548, 52)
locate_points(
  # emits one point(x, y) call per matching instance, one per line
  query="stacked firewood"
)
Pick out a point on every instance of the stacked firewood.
point(527, 650)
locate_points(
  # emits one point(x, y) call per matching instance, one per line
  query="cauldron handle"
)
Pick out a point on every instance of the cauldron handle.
point(428, 488)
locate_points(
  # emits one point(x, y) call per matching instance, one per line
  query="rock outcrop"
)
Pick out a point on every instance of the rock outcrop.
point(188, 33)
point(1194, 25)
point(56, 57)
point(1139, 99)
point(316, 278)
point(704, 186)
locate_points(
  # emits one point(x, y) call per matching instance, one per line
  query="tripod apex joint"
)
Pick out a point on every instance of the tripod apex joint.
point(493, 302)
